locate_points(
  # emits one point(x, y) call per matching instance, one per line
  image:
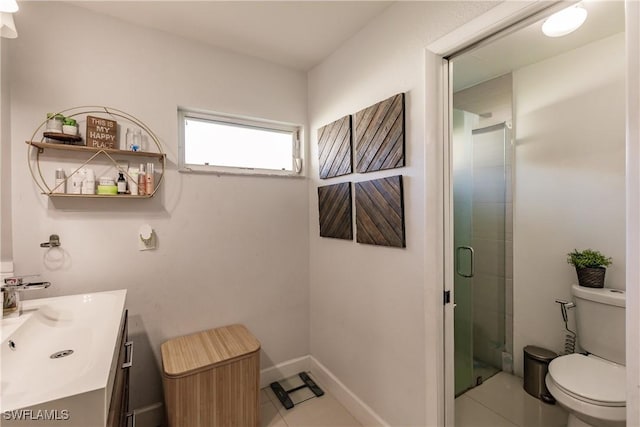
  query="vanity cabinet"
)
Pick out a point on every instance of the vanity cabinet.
point(85, 381)
point(119, 407)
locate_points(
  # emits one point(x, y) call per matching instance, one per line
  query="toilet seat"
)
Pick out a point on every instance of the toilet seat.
point(588, 385)
point(590, 379)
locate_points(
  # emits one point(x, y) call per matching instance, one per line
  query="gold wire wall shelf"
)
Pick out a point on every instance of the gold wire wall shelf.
point(93, 154)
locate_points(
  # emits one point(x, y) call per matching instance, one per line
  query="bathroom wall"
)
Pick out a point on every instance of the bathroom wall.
point(569, 181)
point(6, 250)
point(376, 311)
point(632, 67)
point(231, 248)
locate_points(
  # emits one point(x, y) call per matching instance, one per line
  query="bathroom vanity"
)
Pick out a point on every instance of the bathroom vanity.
point(65, 362)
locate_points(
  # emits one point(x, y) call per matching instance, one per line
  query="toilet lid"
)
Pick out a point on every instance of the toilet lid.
point(591, 378)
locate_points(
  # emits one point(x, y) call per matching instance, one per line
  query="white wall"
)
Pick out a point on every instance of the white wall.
point(569, 181)
point(632, 49)
point(375, 311)
point(6, 250)
point(232, 248)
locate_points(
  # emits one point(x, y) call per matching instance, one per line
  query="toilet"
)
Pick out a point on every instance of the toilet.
point(591, 387)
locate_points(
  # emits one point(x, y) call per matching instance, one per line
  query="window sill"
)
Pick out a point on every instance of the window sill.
point(244, 172)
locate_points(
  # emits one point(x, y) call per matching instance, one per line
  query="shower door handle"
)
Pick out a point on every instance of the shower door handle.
point(459, 250)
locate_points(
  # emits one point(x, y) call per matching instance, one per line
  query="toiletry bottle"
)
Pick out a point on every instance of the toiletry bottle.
point(76, 182)
point(132, 181)
point(142, 181)
point(61, 182)
point(150, 184)
point(89, 182)
point(122, 184)
point(137, 140)
point(128, 140)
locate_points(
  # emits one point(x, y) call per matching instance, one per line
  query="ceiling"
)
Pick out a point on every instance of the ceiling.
point(296, 34)
point(528, 45)
point(300, 34)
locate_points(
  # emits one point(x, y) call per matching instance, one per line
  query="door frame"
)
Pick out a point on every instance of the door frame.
point(484, 29)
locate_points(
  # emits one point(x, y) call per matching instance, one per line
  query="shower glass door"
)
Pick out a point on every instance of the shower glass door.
point(480, 201)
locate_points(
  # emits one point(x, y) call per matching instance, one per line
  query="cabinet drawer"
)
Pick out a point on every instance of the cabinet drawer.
point(120, 395)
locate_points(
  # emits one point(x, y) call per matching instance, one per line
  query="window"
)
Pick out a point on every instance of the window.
point(218, 143)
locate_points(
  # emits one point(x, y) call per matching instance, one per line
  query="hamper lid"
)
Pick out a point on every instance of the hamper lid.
point(197, 352)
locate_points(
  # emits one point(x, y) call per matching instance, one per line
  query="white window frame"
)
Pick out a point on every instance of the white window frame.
point(296, 144)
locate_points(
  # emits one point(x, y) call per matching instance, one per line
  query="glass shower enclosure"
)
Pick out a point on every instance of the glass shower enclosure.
point(481, 191)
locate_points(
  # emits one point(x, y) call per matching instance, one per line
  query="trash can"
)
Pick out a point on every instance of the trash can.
point(536, 366)
point(212, 378)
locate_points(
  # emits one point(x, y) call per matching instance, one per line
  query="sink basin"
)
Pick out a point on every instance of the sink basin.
point(59, 358)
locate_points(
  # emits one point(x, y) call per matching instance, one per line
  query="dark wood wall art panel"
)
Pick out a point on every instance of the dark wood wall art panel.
point(334, 148)
point(334, 205)
point(380, 212)
point(379, 135)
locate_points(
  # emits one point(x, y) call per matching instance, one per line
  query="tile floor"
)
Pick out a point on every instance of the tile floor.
point(324, 411)
point(484, 370)
point(502, 402)
point(498, 402)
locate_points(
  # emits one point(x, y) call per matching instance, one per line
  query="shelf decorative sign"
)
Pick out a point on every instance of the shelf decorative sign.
point(101, 133)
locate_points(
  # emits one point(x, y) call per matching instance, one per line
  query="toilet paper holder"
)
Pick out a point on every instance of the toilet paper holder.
point(54, 242)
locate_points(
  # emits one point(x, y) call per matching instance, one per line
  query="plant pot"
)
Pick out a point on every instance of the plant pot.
point(69, 130)
point(54, 125)
point(591, 277)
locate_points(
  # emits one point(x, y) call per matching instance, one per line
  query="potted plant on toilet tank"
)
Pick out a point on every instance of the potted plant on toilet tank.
point(590, 265)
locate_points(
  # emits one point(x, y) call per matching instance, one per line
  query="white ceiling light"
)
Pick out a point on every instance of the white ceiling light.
point(564, 22)
point(8, 6)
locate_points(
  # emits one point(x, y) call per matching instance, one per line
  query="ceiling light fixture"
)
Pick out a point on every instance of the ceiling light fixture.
point(8, 6)
point(564, 22)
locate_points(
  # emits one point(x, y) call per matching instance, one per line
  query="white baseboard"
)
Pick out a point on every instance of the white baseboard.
point(360, 410)
point(150, 416)
point(284, 370)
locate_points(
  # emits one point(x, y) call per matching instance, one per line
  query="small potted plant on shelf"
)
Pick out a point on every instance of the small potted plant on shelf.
point(55, 122)
point(591, 267)
point(70, 126)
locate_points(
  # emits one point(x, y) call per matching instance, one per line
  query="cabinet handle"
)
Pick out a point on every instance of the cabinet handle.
point(130, 352)
point(130, 416)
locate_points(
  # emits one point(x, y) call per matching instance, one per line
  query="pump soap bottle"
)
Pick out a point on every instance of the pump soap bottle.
point(122, 184)
point(150, 184)
point(142, 181)
point(61, 182)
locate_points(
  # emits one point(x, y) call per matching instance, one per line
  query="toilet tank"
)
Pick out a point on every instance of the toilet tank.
point(600, 319)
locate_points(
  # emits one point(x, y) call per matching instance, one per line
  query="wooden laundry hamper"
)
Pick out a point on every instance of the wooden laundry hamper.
point(212, 378)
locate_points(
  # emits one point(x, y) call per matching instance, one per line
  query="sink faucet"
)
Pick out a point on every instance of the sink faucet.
point(10, 288)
